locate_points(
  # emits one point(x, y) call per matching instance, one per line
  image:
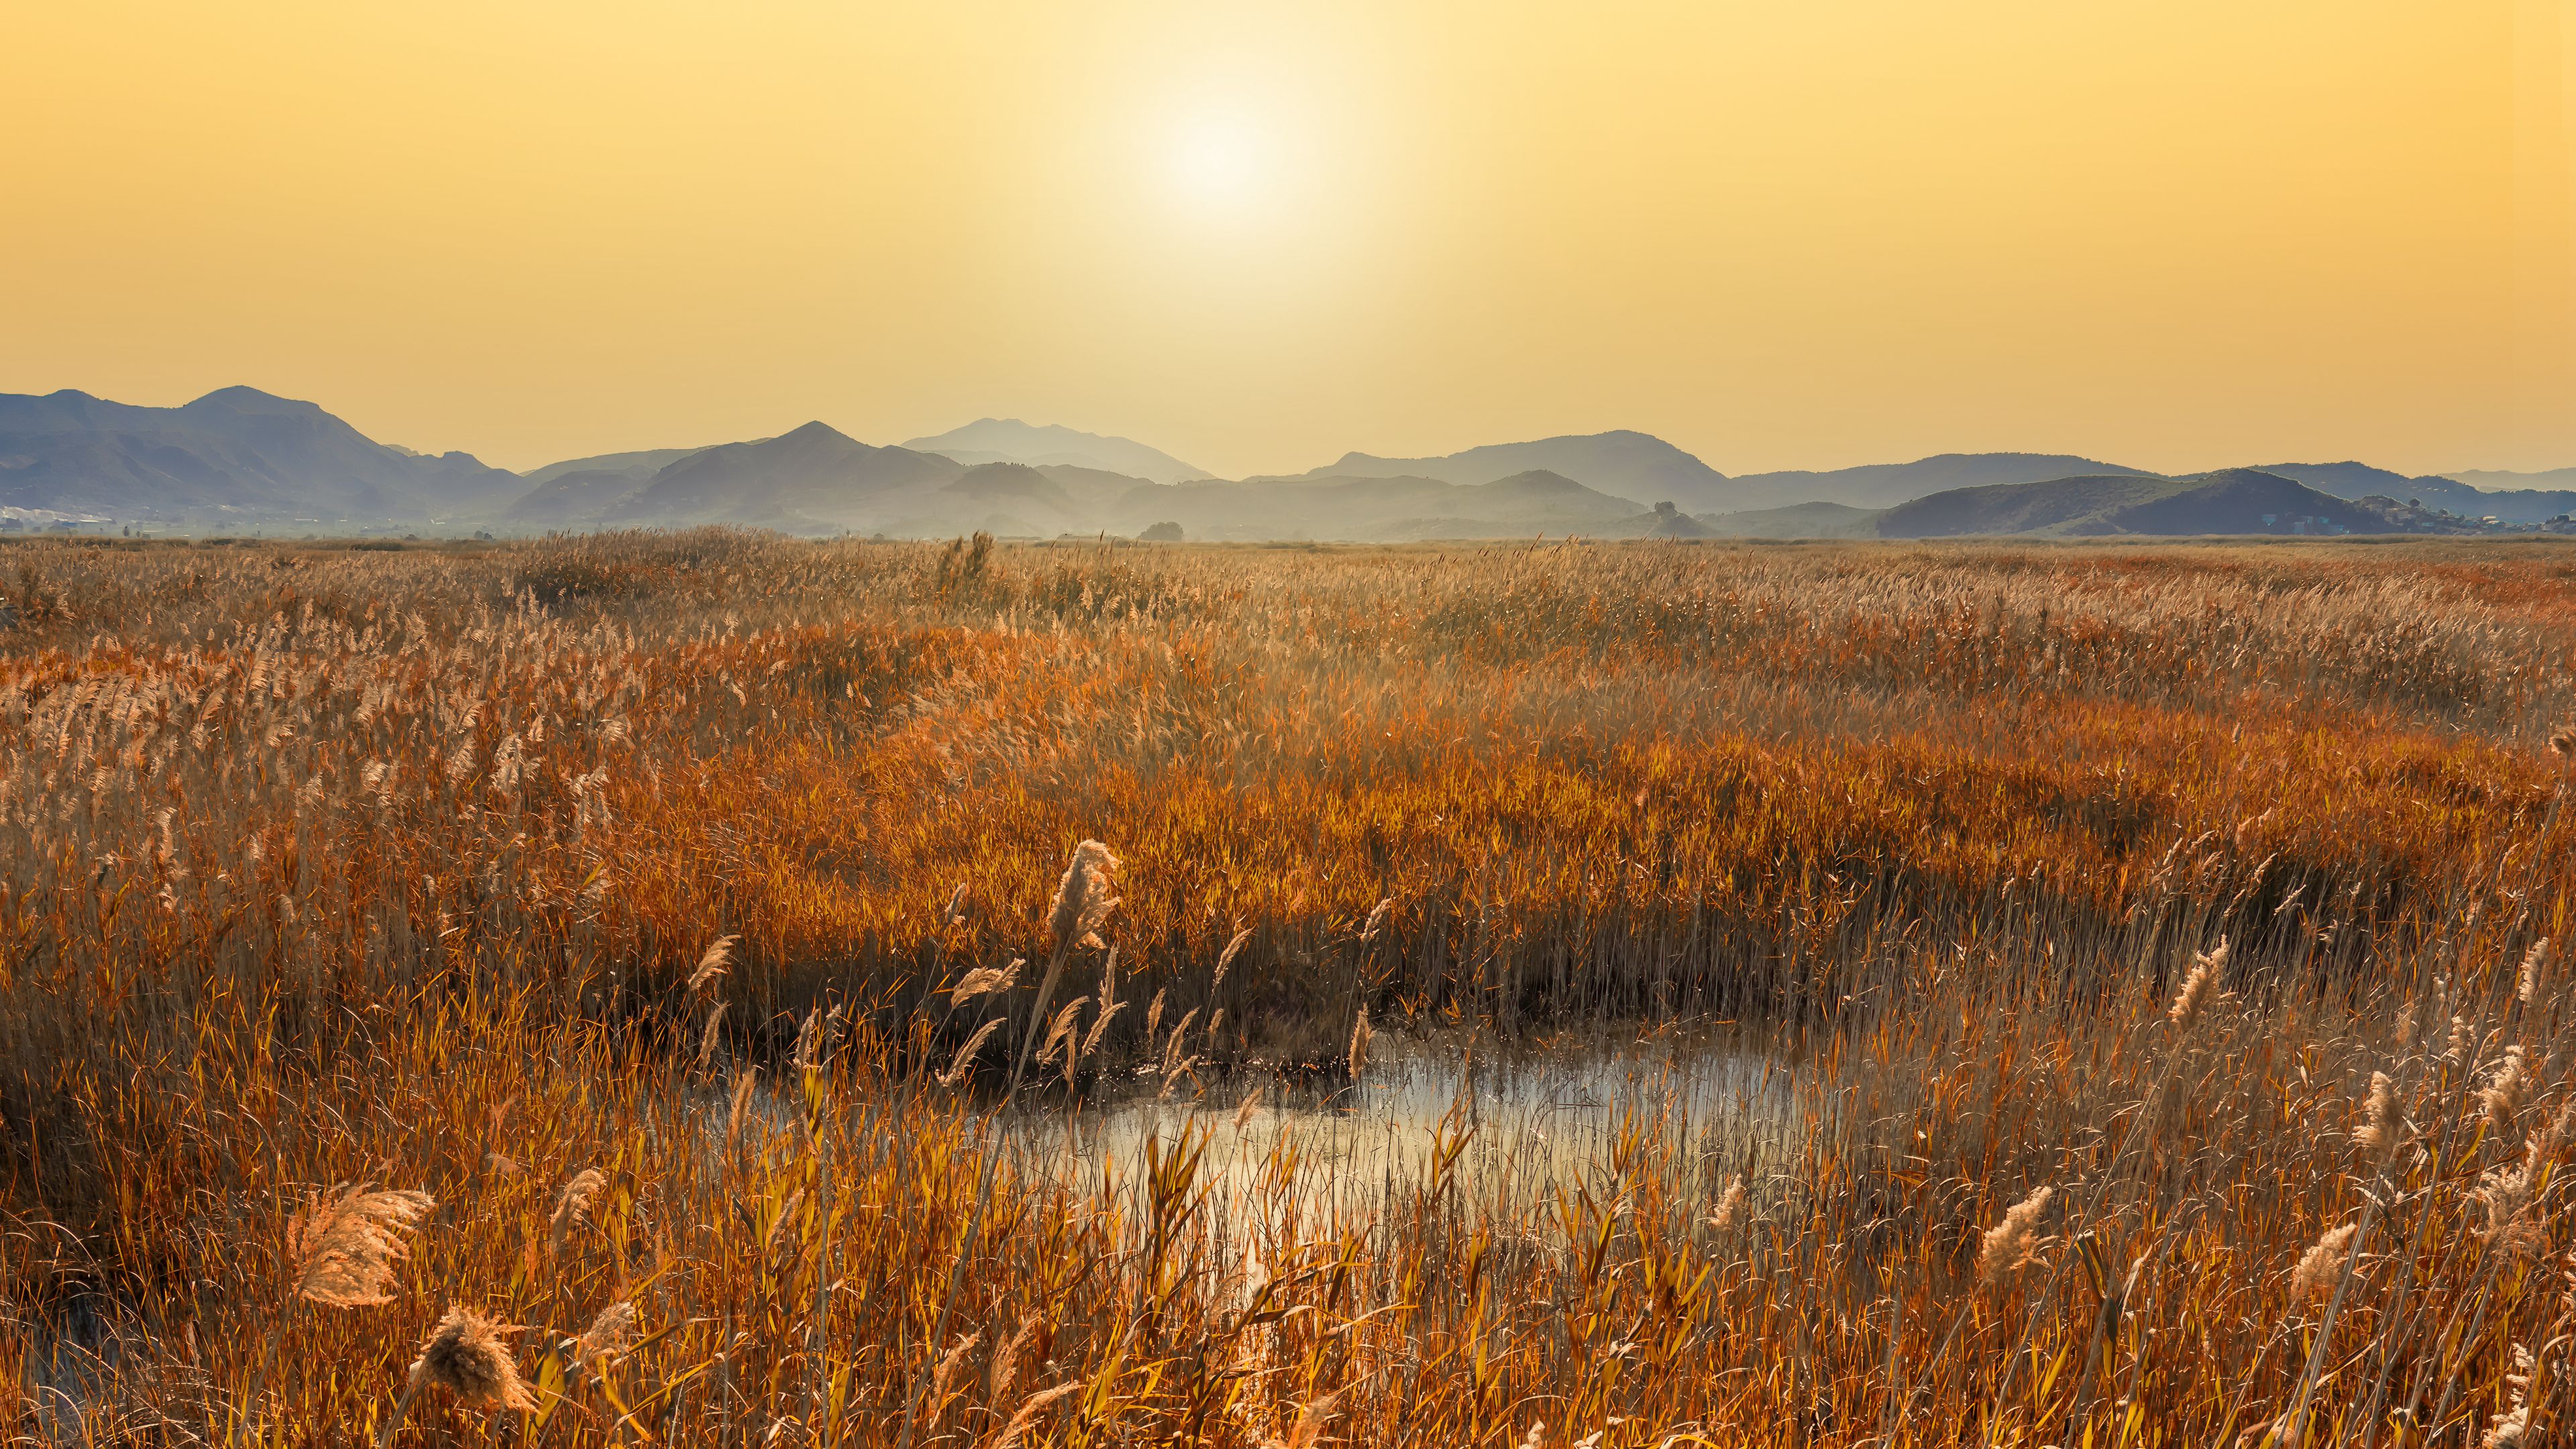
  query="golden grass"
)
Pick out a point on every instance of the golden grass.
point(656, 905)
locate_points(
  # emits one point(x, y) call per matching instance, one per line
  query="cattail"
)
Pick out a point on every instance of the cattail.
point(1030, 1407)
point(572, 1206)
point(2321, 1267)
point(1153, 1019)
point(2534, 961)
point(1082, 899)
point(712, 963)
point(1225, 958)
point(965, 1061)
point(2502, 1095)
point(2194, 995)
point(465, 1356)
point(343, 1249)
point(984, 980)
point(2380, 1125)
point(2011, 1244)
point(1360, 1035)
point(610, 1334)
point(707, 1038)
point(1730, 1208)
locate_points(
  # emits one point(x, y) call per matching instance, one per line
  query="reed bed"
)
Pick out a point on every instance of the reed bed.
point(600, 991)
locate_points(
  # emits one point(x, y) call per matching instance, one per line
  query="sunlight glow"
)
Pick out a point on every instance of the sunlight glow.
point(1221, 161)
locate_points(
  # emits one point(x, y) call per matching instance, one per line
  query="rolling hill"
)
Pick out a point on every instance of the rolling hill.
point(234, 456)
point(814, 477)
point(2230, 501)
point(1881, 485)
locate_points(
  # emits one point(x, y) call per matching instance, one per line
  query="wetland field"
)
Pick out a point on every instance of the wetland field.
point(709, 989)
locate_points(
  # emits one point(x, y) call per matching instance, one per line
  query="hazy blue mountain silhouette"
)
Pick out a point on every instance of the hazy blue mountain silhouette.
point(236, 453)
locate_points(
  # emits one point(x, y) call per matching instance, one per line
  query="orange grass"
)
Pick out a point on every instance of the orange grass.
point(321, 867)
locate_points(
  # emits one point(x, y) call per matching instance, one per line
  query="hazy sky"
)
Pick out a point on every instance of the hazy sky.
point(2171, 233)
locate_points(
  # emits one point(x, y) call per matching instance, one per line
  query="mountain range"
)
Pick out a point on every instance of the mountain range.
point(234, 454)
point(239, 457)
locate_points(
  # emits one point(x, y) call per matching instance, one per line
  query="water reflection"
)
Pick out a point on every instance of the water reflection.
point(1543, 1120)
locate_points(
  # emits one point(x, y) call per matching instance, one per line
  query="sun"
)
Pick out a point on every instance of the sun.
point(1220, 163)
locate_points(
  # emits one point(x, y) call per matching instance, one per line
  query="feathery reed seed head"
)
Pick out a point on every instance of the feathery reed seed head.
point(342, 1250)
point(572, 1207)
point(2382, 1125)
point(465, 1356)
point(2011, 1244)
point(2194, 995)
point(1083, 899)
point(2320, 1268)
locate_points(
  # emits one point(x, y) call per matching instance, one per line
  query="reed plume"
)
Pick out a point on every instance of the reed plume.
point(2382, 1124)
point(712, 963)
point(1027, 1414)
point(1730, 1208)
point(945, 1373)
point(2194, 995)
point(965, 1060)
point(1360, 1037)
point(464, 1355)
point(2502, 1096)
point(985, 980)
point(1225, 958)
point(708, 1037)
point(1059, 1032)
point(342, 1250)
point(2534, 962)
point(572, 1207)
point(2512, 1424)
point(610, 1335)
point(742, 1089)
point(2010, 1245)
point(1083, 899)
point(2321, 1266)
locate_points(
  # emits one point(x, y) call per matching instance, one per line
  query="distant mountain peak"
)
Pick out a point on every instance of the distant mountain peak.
point(1010, 440)
point(244, 399)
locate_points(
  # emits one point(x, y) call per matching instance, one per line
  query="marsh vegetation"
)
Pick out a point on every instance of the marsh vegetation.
point(655, 988)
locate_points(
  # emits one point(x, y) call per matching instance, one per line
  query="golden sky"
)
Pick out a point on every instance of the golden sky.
point(1792, 233)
